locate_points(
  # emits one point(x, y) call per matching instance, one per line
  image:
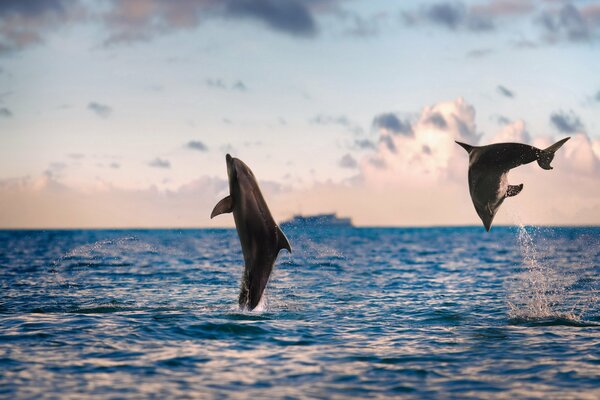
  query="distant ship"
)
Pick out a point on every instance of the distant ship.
point(319, 220)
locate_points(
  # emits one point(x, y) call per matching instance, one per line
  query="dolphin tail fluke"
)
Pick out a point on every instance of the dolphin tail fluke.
point(547, 155)
point(222, 207)
point(514, 190)
point(465, 146)
point(282, 241)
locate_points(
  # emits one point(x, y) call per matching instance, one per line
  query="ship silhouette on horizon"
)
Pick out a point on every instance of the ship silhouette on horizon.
point(330, 220)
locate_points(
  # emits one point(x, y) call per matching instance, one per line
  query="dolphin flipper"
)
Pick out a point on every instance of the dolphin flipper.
point(514, 190)
point(222, 207)
point(282, 241)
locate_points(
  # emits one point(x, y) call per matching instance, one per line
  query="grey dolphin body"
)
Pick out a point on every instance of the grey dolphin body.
point(260, 237)
point(488, 173)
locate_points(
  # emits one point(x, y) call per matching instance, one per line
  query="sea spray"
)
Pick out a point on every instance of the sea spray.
point(540, 292)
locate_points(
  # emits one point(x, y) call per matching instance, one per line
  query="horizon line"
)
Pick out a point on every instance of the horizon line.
point(189, 228)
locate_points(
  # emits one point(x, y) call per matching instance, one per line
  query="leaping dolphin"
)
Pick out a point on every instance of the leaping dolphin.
point(260, 237)
point(488, 173)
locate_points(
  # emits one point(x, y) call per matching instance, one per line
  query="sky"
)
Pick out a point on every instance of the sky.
point(120, 113)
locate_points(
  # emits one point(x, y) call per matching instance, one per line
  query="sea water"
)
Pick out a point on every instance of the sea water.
point(352, 313)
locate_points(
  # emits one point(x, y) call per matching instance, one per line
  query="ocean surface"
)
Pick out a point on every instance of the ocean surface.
point(419, 313)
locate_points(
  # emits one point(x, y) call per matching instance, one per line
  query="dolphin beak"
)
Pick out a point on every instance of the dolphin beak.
point(228, 158)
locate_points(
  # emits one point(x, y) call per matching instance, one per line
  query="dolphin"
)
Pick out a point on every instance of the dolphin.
point(260, 236)
point(488, 173)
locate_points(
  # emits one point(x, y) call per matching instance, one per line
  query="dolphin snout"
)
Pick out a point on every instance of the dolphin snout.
point(228, 158)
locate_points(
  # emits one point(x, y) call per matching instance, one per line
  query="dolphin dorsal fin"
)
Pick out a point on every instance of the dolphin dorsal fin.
point(514, 190)
point(282, 241)
point(222, 207)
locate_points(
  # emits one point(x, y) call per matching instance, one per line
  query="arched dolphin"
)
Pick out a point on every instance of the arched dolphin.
point(488, 171)
point(260, 237)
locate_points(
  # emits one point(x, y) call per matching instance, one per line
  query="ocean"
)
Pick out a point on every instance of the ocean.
point(416, 313)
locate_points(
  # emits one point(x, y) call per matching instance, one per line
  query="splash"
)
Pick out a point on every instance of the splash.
point(541, 290)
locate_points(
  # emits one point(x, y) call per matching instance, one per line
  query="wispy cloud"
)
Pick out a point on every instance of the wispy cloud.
point(553, 21)
point(452, 16)
point(101, 110)
point(570, 22)
point(218, 83)
point(339, 120)
point(438, 120)
point(135, 20)
point(292, 17)
point(27, 22)
point(392, 123)
point(160, 163)
point(566, 122)
point(479, 53)
point(5, 112)
point(239, 85)
point(364, 144)
point(505, 91)
point(24, 23)
point(196, 145)
point(347, 161)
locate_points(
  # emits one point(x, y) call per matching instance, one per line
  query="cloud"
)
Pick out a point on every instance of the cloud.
point(581, 155)
point(364, 144)
point(597, 97)
point(227, 148)
point(512, 132)
point(556, 21)
point(501, 119)
point(102, 110)
point(362, 27)
point(570, 23)
point(292, 16)
point(27, 22)
point(504, 8)
point(239, 85)
point(160, 163)
point(24, 23)
point(216, 83)
point(340, 120)
point(505, 92)
point(423, 183)
point(347, 161)
point(438, 120)
point(220, 84)
point(114, 165)
point(5, 112)
point(566, 122)
point(479, 53)
point(45, 202)
point(451, 15)
point(135, 20)
point(391, 123)
point(196, 145)
point(429, 151)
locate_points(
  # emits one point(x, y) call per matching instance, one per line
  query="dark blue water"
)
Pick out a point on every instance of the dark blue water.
point(418, 313)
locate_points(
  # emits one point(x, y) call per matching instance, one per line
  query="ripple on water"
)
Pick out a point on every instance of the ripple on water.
point(358, 313)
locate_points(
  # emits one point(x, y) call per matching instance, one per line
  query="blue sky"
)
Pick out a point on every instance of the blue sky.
point(140, 101)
